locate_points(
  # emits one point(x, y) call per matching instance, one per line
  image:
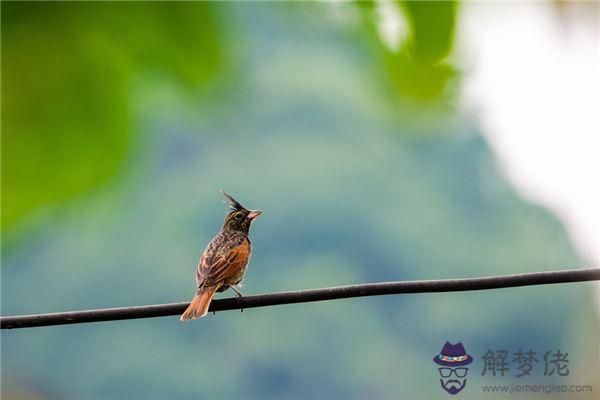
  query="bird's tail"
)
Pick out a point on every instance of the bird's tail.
point(198, 308)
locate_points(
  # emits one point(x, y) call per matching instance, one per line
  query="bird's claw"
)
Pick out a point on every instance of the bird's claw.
point(238, 293)
point(239, 296)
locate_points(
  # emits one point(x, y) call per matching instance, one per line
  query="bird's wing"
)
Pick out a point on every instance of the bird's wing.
point(223, 267)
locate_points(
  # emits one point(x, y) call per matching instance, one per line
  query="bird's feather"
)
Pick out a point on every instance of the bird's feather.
point(199, 305)
point(230, 267)
point(234, 205)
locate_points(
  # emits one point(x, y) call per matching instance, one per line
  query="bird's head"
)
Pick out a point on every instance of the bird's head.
point(239, 217)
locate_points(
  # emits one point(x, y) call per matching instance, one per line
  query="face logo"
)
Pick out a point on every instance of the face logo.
point(452, 360)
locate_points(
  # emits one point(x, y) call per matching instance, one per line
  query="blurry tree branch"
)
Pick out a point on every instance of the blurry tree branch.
point(305, 296)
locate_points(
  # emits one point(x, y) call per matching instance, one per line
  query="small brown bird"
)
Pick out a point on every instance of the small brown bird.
point(223, 262)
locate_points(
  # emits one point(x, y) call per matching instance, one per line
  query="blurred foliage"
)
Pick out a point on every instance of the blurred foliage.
point(432, 29)
point(66, 106)
point(421, 70)
point(418, 70)
point(67, 71)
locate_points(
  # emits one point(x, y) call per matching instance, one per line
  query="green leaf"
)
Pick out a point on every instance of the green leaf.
point(67, 70)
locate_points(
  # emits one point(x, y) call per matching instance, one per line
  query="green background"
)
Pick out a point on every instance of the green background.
point(120, 123)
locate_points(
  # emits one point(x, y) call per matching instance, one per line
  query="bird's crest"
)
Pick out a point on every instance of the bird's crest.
point(233, 204)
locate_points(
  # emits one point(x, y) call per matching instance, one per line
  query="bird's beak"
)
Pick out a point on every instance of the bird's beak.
point(254, 213)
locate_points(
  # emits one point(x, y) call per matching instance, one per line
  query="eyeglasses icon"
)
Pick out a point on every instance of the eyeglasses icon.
point(459, 372)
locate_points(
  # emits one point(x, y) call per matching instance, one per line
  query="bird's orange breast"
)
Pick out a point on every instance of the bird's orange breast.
point(228, 268)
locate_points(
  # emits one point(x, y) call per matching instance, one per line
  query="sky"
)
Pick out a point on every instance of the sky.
point(531, 80)
point(535, 90)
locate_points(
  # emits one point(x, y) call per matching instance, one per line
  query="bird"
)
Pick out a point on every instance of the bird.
point(223, 263)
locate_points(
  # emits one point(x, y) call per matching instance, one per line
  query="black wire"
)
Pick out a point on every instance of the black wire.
point(304, 296)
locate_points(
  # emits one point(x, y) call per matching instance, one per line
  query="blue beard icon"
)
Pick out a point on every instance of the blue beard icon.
point(452, 362)
point(453, 386)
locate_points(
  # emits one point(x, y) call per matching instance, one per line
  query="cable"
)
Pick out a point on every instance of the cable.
point(305, 296)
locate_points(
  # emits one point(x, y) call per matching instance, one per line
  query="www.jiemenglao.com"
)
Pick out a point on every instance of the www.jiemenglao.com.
point(547, 389)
